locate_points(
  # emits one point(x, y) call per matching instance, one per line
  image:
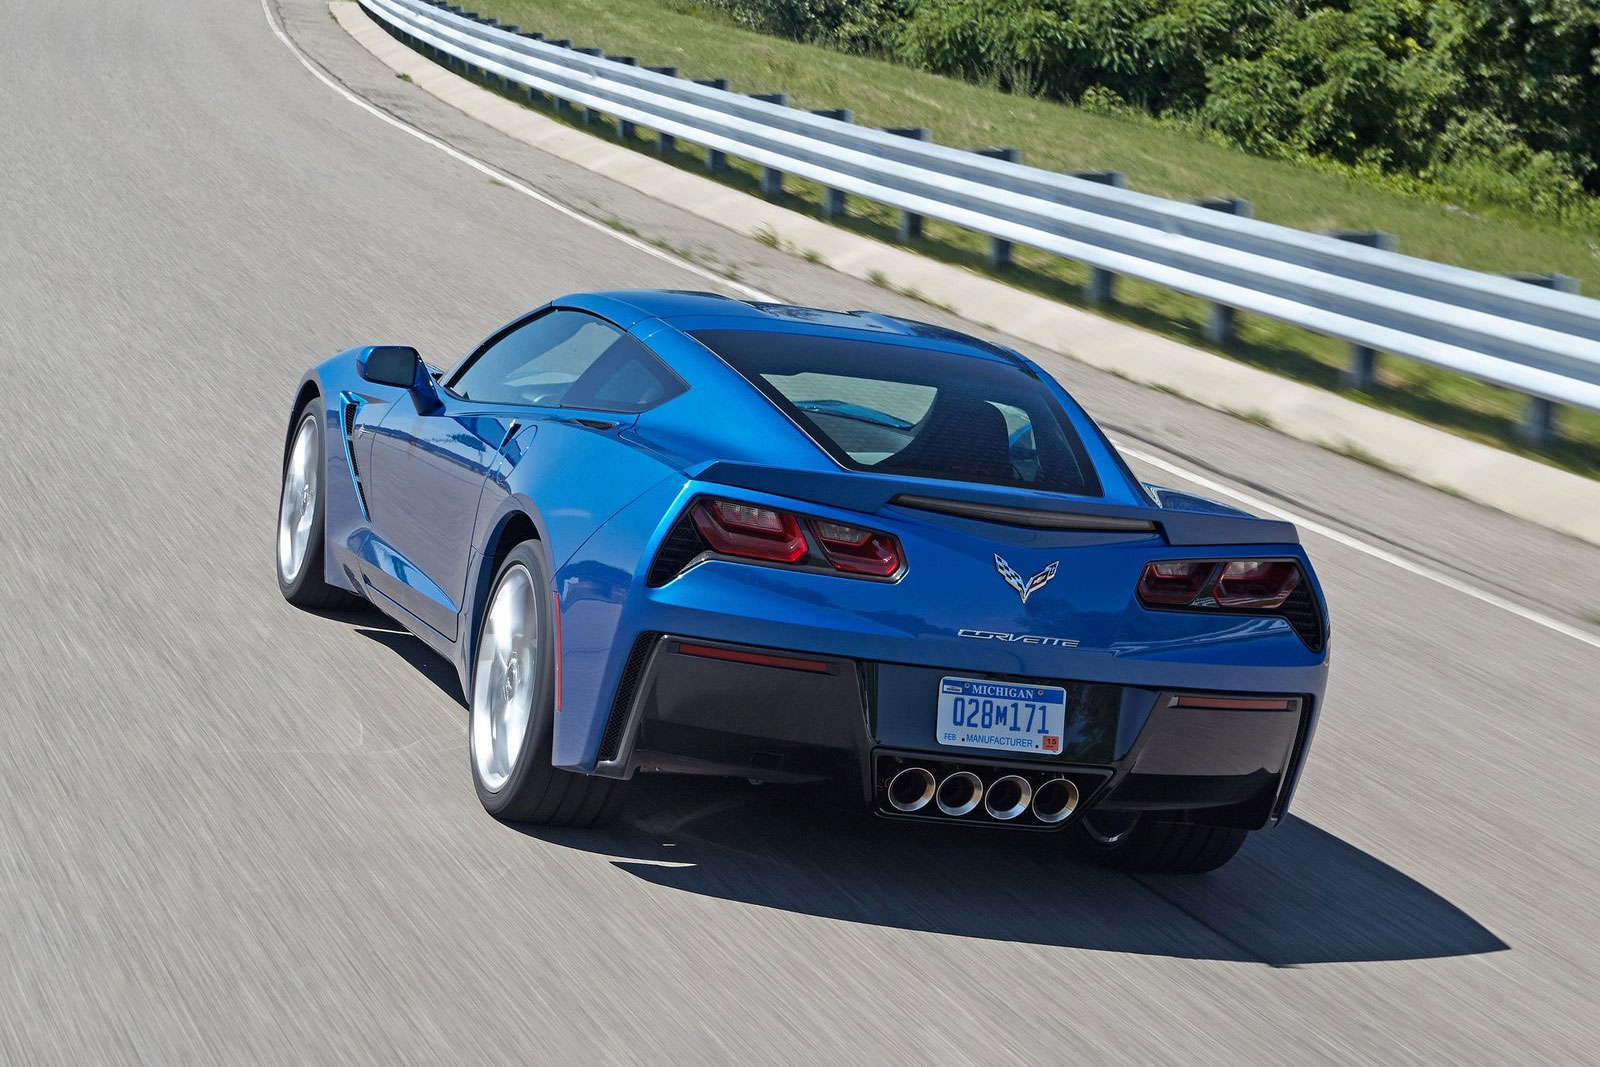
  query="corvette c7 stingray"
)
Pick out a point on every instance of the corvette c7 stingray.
point(678, 532)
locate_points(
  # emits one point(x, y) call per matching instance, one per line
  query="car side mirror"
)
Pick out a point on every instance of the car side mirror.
point(400, 366)
point(394, 365)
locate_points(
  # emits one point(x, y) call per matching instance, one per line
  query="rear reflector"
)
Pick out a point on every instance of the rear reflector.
point(760, 659)
point(1201, 700)
point(556, 618)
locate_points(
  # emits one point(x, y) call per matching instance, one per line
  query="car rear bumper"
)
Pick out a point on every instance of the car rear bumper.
point(693, 705)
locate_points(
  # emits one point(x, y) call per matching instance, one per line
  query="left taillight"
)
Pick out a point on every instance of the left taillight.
point(749, 531)
point(856, 549)
point(741, 530)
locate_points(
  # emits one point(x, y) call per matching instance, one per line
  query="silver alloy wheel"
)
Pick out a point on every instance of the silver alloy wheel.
point(298, 508)
point(505, 678)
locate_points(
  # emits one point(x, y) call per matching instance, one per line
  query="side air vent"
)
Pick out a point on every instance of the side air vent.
point(351, 406)
point(627, 688)
point(679, 549)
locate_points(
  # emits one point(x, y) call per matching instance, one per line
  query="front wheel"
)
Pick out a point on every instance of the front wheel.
point(1147, 843)
point(513, 702)
point(301, 510)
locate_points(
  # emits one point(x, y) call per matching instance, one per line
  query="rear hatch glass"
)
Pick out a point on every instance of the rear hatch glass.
point(898, 409)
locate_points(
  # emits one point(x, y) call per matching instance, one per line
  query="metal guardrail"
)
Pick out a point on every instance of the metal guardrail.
point(1540, 342)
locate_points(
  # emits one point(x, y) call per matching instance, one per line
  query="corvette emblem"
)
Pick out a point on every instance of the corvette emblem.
point(1014, 580)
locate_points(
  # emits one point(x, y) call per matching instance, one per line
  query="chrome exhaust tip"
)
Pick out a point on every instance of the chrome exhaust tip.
point(1055, 800)
point(959, 793)
point(1007, 797)
point(910, 789)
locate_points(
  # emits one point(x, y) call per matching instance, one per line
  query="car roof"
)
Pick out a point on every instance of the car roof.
point(685, 309)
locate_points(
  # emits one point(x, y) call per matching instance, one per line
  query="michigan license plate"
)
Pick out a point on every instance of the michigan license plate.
point(975, 713)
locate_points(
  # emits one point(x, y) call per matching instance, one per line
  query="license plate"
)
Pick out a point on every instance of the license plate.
point(975, 713)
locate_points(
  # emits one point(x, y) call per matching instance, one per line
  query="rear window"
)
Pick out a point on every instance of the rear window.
point(893, 409)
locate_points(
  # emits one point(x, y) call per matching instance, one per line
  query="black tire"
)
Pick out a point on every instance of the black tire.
point(307, 588)
point(534, 791)
point(1156, 845)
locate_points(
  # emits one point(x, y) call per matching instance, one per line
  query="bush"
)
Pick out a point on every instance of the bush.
point(1499, 98)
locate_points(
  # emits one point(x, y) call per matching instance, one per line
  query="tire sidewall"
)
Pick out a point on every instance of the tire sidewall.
point(534, 759)
point(310, 577)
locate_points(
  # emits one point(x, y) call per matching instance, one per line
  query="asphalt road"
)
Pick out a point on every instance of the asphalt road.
point(235, 832)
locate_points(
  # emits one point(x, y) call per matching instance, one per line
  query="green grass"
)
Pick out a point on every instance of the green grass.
point(1156, 159)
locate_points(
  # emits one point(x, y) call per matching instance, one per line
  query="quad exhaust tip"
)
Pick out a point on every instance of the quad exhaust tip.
point(913, 788)
point(910, 789)
point(1055, 800)
point(960, 793)
point(1007, 797)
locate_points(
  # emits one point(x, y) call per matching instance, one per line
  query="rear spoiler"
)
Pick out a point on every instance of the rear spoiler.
point(1211, 524)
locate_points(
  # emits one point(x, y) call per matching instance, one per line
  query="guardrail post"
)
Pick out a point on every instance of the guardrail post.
point(626, 130)
point(1561, 283)
point(666, 144)
point(590, 115)
point(716, 160)
point(1362, 373)
point(833, 202)
point(562, 107)
point(771, 177)
point(529, 93)
point(910, 222)
point(1102, 283)
point(1538, 423)
point(999, 247)
point(1219, 329)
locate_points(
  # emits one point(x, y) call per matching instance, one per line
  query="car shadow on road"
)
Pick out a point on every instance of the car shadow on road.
point(1295, 895)
point(372, 624)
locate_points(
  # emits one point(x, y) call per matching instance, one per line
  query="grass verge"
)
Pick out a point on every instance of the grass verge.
point(1158, 160)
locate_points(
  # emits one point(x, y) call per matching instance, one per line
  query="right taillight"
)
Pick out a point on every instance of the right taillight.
point(1256, 584)
point(1174, 583)
point(1231, 585)
point(1240, 586)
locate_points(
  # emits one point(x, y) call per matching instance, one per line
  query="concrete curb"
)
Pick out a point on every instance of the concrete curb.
point(1514, 484)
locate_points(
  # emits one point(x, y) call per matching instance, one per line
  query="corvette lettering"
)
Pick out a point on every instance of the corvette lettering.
point(1021, 639)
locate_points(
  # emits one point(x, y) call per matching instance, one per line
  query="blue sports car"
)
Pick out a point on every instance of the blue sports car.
point(673, 531)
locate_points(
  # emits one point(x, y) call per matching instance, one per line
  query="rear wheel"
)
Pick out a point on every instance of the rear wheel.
point(1129, 841)
point(301, 510)
point(513, 701)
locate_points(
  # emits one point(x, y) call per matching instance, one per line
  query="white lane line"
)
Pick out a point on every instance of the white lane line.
point(1201, 480)
point(1257, 504)
point(504, 178)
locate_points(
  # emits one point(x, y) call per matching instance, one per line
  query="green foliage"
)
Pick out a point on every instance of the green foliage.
point(1499, 99)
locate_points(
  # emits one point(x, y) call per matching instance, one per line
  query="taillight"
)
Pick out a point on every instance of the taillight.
point(743, 530)
point(750, 531)
point(857, 550)
point(1256, 584)
point(1170, 583)
point(1231, 585)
